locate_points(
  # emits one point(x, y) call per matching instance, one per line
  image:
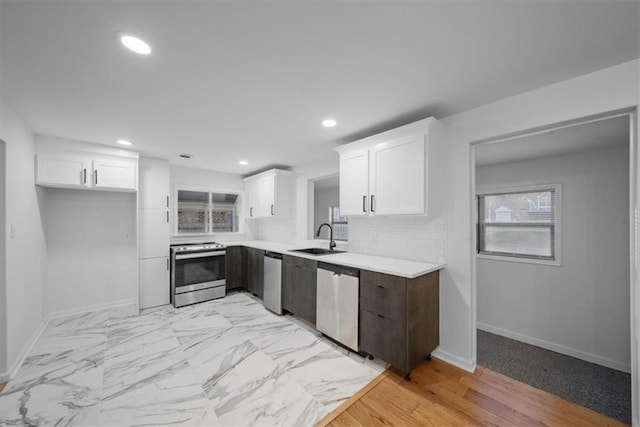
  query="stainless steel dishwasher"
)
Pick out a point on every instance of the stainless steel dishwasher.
point(272, 295)
point(337, 303)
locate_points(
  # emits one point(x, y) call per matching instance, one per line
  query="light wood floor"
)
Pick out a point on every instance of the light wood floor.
point(2, 386)
point(440, 394)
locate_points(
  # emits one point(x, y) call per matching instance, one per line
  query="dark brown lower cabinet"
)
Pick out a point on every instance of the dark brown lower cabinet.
point(235, 267)
point(399, 318)
point(299, 284)
point(255, 271)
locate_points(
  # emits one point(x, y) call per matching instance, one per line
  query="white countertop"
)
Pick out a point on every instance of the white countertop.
point(394, 266)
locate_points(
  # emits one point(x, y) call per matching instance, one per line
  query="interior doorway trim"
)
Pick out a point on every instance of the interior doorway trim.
point(634, 238)
point(4, 374)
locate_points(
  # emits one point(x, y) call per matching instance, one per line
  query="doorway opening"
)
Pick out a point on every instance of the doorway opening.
point(326, 209)
point(552, 263)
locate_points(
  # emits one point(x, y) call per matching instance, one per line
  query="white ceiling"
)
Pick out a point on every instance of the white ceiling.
point(231, 80)
point(596, 135)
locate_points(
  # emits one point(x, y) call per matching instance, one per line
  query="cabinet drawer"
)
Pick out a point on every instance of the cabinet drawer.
point(383, 337)
point(383, 294)
point(299, 262)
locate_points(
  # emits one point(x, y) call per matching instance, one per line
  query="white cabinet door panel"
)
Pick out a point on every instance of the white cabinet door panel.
point(264, 196)
point(397, 181)
point(154, 233)
point(354, 183)
point(154, 282)
point(154, 184)
point(115, 175)
point(65, 171)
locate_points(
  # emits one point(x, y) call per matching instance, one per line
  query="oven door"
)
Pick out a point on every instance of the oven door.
point(196, 271)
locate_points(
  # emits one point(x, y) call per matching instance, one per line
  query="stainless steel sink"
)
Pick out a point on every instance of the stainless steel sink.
point(316, 251)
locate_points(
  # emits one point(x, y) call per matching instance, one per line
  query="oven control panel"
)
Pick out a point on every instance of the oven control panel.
point(198, 247)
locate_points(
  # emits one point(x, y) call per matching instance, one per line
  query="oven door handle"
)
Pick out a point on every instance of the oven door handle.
point(199, 255)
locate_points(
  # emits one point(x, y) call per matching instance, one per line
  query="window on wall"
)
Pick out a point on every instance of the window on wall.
point(522, 224)
point(206, 211)
point(339, 223)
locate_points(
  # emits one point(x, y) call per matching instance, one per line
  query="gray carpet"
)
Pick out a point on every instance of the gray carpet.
point(604, 390)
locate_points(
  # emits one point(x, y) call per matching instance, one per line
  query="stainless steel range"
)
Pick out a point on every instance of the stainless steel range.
point(197, 273)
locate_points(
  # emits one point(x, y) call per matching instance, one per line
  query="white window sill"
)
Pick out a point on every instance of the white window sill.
point(554, 263)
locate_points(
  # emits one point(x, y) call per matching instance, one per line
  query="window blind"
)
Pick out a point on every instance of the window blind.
point(518, 224)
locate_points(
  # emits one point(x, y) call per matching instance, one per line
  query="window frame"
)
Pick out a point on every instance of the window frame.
point(183, 187)
point(557, 225)
point(332, 206)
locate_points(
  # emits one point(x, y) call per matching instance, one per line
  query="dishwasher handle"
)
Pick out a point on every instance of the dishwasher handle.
point(273, 255)
point(339, 270)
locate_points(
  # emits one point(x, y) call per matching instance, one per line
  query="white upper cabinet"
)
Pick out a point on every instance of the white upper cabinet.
point(154, 184)
point(270, 194)
point(111, 174)
point(397, 176)
point(354, 183)
point(391, 173)
point(265, 196)
point(86, 171)
point(62, 171)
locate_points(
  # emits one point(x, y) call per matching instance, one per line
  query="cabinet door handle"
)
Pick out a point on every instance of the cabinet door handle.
point(272, 210)
point(381, 287)
point(381, 316)
point(250, 211)
point(167, 201)
point(373, 203)
point(167, 217)
point(84, 175)
point(364, 203)
point(96, 176)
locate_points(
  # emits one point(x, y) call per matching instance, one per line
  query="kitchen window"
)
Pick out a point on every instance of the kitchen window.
point(520, 224)
point(205, 211)
point(338, 223)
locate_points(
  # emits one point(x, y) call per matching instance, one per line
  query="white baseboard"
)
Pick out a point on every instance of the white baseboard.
point(62, 313)
point(579, 354)
point(95, 307)
point(27, 348)
point(452, 359)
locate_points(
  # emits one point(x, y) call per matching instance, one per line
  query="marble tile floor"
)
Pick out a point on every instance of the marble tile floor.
point(223, 362)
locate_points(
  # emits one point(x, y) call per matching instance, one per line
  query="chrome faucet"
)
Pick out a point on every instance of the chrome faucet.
point(332, 243)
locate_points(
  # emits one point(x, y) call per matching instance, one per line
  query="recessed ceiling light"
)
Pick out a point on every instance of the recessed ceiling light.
point(185, 156)
point(243, 162)
point(135, 44)
point(124, 142)
point(329, 123)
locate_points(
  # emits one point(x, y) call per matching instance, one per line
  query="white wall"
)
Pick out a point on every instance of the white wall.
point(91, 248)
point(3, 288)
point(580, 308)
point(26, 305)
point(595, 93)
point(635, 291)
point(322, 198)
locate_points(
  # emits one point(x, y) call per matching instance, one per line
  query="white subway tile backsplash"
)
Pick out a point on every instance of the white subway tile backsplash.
point(277, 230)
point(412, 238)
point(404, 237)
